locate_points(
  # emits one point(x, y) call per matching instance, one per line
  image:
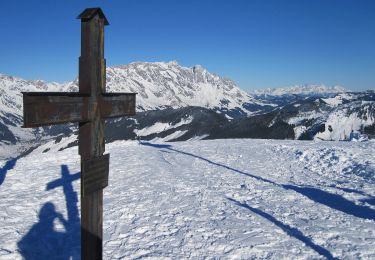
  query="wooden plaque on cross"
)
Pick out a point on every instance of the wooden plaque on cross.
point(89, 107)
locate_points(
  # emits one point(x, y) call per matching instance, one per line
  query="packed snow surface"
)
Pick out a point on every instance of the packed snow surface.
point(232, 199)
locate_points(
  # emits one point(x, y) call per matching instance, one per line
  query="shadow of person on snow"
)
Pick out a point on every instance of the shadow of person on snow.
point(43, 241)
point(291, 231)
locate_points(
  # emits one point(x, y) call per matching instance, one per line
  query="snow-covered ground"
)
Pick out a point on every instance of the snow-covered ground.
point(232, 199)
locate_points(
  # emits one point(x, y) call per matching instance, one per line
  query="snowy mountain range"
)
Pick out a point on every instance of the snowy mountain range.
point(306, 89)
point(162, 85)
point(180, 103)
point(304, 118)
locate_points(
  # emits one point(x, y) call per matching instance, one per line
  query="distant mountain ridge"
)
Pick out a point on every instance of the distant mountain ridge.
point(306, 89)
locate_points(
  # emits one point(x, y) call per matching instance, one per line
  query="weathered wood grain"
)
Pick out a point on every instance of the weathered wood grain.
point(90, 106)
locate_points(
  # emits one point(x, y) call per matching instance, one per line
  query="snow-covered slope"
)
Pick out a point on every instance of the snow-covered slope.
point(11, 97)
point(333, 118)
point(326, 116)
point(13, 138)
point(355, 116)
point(306, 89)
point(221, 199)
point(304, 118)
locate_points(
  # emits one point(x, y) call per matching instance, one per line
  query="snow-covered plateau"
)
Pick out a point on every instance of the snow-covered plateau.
point(214, 199)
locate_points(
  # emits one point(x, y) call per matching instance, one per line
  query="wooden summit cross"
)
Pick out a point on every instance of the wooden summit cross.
point(89, 107)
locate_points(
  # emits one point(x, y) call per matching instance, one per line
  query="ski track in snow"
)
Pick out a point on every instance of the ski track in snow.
point(232, 199)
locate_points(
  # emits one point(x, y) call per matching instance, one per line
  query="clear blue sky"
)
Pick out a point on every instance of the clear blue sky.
point(258, 44)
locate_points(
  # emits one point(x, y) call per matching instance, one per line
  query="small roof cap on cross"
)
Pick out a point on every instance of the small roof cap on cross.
point(89, 13)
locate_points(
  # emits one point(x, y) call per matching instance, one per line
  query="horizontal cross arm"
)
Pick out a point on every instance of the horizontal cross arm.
point(47, 108)
point(117, 104)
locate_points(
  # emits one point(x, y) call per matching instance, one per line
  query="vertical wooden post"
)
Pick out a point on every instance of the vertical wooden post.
point(91, 133)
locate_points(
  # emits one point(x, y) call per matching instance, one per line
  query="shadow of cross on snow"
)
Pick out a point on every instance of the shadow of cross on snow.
point(331, 200)
point(334, 201)
point(43, 241)
point(291, 231)
point(71, 197)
